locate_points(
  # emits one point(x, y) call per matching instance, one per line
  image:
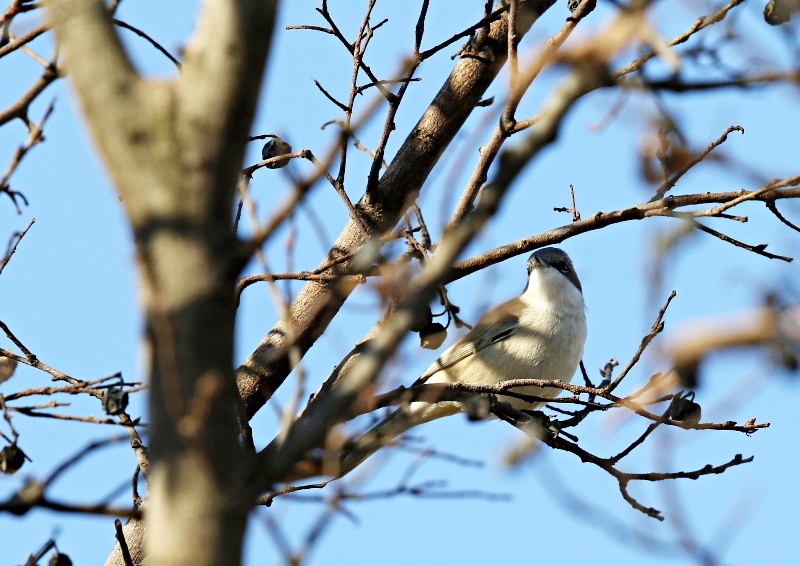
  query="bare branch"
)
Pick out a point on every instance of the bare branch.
point(759, 249)
point(774, 209)
point(314, 307)
point(12, 245)
point(700, 24)
point(18, 42)
point(657, 328)
point(664, 207)
point(245, 282)
point(35, 136)
point(120, 536)
point(669, 183)
point(20, 108)
point(149, 39)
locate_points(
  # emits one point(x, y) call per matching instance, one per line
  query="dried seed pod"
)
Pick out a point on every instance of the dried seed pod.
point(478, 407)
point(683, 408)
point(425, 318)
point(115, 401)
point(778, 12)
point(11, 459)
point(432, 335)
point(60, 559)
point(274, 147)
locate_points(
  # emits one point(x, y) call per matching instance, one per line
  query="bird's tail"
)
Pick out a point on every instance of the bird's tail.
point(379, 436)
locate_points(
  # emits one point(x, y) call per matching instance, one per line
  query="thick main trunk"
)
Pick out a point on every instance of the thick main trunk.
point(198, 493)
point(174, 150)
point(209, 507)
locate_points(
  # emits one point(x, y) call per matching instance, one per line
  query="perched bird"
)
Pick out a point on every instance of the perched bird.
point(537, 335)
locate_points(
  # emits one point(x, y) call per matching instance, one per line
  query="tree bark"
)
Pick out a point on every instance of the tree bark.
point(174, 151)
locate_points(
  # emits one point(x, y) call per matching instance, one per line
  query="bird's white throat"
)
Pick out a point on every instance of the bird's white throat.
point(549, 289)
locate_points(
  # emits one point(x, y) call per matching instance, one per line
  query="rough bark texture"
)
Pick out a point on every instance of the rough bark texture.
point(174, 151)
point(317, 303)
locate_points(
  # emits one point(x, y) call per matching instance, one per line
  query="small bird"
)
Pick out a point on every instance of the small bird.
point(537, 335)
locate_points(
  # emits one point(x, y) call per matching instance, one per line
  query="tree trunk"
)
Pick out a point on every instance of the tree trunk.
point(174, 151)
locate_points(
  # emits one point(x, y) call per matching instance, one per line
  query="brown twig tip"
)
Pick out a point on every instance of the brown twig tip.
point(649, 511)
point(759, 249)
point(774, 209)
point(149, 39)
point(671, 181)
point(16, 238)
point(268, 498)
point(574, 209)
point(655, 330)
point(330, 97)
point(524, 422)
point(123, 544)
point(248, 171)
point(35, 136)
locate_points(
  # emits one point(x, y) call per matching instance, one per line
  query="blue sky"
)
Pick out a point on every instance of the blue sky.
point(70, 295)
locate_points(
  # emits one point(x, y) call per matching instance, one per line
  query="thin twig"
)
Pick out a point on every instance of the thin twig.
point(599, 220)
point(19, 109)
point(330, 97)
point(35, 136)
point(248, 171)
point(760, 249)
point(655, 330)
point(149, 39)
point(774, 209)
point(267, 499)
point(493, 17)
point(699, 24)
point(245, 282)
point(23, 39)
point(12, 245)
point(123, 544)
point(669, 183)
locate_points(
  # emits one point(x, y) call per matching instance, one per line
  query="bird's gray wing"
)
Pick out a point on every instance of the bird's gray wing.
point(483, 335)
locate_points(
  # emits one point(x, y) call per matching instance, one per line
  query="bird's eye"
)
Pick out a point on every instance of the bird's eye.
point(561, 266)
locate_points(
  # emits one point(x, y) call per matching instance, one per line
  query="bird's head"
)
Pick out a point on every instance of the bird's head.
point(551, 275)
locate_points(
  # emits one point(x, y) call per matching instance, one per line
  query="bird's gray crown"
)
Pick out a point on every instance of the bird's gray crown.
point(557, 259)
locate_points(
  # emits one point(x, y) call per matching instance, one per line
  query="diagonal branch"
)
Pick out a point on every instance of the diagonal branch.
point(669, 183)
point(12, 246)
point(317, 303)
point(600, 220)
point(312, 427)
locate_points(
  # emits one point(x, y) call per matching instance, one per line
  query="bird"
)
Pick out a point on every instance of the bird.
point(538, 335)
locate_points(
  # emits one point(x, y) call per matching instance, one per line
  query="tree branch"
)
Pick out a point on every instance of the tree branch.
point(317, 303)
